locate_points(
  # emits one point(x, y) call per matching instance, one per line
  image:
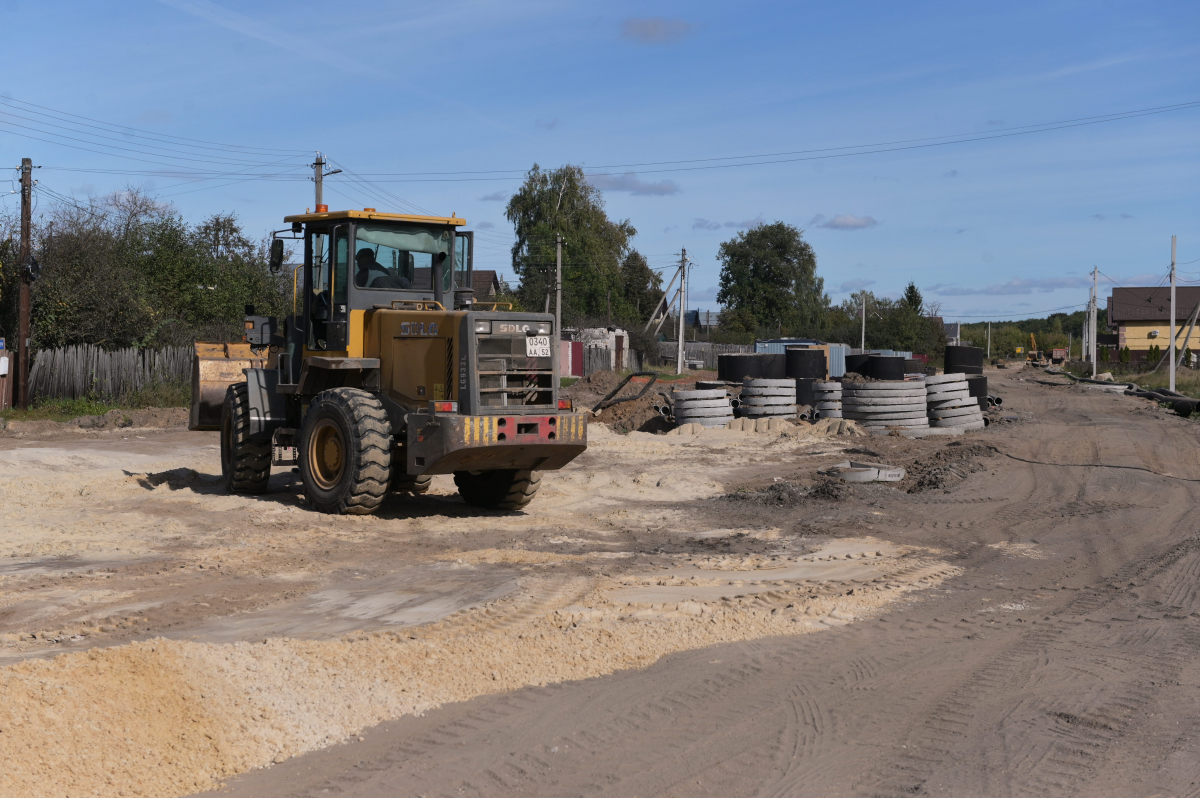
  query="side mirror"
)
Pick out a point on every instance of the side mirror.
point(276, 261)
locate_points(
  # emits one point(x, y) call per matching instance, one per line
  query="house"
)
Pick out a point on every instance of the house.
point(486, 283)
point(1141, 317)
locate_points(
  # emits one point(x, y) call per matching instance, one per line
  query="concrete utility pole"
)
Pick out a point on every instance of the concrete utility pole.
point(23, 258)
point(1172, 313)
point(682, 305)
point(862, 347)
point(1092, 319)
point(558, 242)
point(319, 175)
point(318, 178)
point(989, 341)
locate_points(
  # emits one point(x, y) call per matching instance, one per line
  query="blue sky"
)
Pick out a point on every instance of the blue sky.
point(993, 228)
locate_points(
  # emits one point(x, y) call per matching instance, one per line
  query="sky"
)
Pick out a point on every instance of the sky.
point(910, 142)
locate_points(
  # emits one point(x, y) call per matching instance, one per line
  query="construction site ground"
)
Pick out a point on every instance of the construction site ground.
point(686, 615)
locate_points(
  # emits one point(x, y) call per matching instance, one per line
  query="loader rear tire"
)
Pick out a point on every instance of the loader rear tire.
point(245, 463)
point(498, 490)
point(345, 452)
point(413, 485)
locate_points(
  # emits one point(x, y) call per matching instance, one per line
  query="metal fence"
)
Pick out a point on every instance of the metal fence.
point(698, 350)
point(76, 372)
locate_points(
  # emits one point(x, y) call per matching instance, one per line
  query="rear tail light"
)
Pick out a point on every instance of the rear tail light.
point(443, 407)
point(565, 404)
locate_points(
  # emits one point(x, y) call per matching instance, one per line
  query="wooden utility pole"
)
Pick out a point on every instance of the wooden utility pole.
point(23, 258)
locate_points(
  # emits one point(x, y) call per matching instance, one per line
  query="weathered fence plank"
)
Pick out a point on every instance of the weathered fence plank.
point(77, 372)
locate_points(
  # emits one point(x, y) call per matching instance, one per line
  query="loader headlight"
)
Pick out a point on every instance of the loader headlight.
point(483, 326)
point(545, 327)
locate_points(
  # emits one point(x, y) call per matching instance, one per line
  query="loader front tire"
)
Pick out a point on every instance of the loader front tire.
point(345, 452)
point(498, 490)
point(245, 463)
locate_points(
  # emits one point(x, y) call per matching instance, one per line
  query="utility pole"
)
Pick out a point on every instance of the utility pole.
point(318, 178)
point(863, 345)
point(1092, 320)
point(1172, 313)
point(682, 305)
point(989, 354)
point(319, 175)
point(23, 258)
point(558, 242)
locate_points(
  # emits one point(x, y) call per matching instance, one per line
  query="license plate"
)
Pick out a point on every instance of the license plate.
point(537, 346)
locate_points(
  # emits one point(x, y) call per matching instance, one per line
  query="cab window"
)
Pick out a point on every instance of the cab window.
point(390, 257)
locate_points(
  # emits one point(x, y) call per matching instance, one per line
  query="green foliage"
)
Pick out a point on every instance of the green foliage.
point(641, 286)
point(770, 273)
point(1124, 355)
point(561, 202)
point(912, 298)
point(126, 271)
point(891, 324)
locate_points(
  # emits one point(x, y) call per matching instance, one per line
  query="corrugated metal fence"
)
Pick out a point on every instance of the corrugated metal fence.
point(76, 372)
point(698, 350)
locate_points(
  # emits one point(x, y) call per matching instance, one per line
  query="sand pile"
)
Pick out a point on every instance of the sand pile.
point(169, 718)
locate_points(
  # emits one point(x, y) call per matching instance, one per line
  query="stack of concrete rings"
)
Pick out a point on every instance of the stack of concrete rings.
point(828, 397)
point(890, 404)
point(768, 399)
point(709, 408)
point(950, 402)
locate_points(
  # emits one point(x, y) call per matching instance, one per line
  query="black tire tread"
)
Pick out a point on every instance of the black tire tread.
point(370, 452)
point(498, 490)
point(249, 466)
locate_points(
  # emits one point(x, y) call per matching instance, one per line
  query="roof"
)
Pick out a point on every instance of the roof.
point(485, 282)
point(1152, 304)
point(371, 213)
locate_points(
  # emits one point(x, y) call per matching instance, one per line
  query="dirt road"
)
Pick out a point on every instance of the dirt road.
point(670, 619)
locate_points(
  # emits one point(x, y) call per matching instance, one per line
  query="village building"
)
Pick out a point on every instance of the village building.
point(1141, 318)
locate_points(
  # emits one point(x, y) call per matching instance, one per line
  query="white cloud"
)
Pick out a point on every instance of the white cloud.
point(748, 224)
point(1016, 286)
point(850, 286)
point(633, 184)
point(311, 50)
point(843, 221)
point(655, 30)
point(495, 196)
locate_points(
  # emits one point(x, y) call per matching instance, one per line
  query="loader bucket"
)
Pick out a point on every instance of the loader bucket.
point(214, 368)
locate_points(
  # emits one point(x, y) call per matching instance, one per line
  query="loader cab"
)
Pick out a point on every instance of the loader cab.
point(357, 261)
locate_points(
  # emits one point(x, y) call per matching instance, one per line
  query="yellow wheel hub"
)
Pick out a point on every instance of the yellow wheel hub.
point(327, 454)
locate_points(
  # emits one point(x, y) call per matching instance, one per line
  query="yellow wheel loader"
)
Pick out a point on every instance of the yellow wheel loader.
point(386, 373)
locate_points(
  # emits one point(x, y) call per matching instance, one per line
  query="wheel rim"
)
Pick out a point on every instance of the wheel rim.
point(326, 454)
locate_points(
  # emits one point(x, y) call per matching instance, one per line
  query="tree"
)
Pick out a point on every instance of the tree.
point(642, 286)
point(770, 273)
point(912, 298)
point(125, 270)
point(562, 202)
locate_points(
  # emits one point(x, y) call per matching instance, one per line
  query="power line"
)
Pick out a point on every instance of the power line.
point(139, 132)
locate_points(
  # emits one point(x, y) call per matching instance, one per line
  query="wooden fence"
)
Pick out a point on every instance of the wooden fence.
point(596, 358)
point(76, 372)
